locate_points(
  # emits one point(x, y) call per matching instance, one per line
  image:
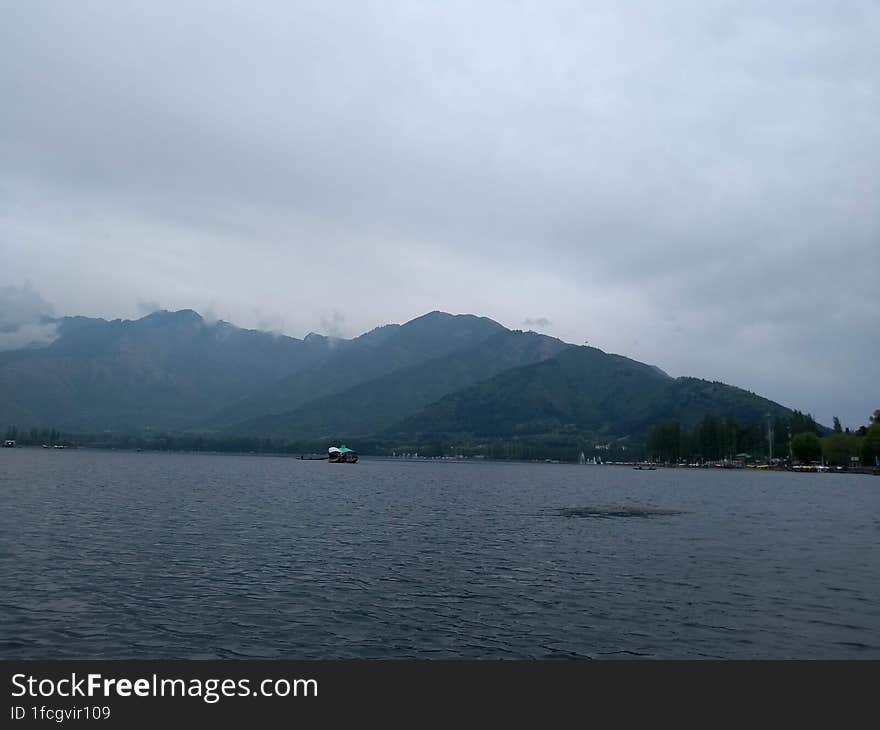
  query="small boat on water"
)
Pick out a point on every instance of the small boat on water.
point(335, 455)
point(341, 455)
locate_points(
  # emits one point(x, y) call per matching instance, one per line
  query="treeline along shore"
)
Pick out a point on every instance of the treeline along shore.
point(783, 442)
point(796, 440)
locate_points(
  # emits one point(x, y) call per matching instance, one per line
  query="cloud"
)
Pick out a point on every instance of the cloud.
point(24, 319)
point(333, 324)
point(272, 323)
point(541, 322)
point(148, 306)
point(28, 335)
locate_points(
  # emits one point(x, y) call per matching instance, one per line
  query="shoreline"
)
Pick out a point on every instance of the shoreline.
point(636, 465)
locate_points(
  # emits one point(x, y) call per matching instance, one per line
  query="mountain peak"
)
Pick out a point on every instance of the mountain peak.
point(438, 317)
point(435, 316)
point(178, 316)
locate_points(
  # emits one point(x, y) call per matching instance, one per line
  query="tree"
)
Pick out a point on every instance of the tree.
point(871, 445)
point(839, 447)
point(709, 437)
point(729, 430)
point(782, 431)
point(837, 427)
point(664, 441)
point(803, 422)
point(806, 447)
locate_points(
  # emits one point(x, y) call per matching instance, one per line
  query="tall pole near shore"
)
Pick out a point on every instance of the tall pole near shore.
point(769, 439)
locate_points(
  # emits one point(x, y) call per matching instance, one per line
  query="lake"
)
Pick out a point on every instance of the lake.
point(146, 555)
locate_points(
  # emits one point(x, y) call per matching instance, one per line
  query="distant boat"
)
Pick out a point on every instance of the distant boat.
point(9, 443)
point(341, 455)
point(335, 455)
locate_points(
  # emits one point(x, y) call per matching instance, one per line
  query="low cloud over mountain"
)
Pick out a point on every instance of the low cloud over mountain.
point(26, 319)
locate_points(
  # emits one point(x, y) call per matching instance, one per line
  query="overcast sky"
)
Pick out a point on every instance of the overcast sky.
point(694, 184)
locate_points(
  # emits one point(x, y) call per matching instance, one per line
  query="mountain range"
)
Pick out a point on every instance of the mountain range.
point(456, 375)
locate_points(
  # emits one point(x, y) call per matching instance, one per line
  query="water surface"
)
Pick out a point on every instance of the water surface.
point(143, 555)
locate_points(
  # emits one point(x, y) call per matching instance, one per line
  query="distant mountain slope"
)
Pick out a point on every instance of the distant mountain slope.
point(437, 374)
point(586, 390)
point(161, 371)
point(372, 406)
point(370, 356)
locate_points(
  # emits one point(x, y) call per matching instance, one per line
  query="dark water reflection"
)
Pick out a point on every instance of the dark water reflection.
point(159, 555)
